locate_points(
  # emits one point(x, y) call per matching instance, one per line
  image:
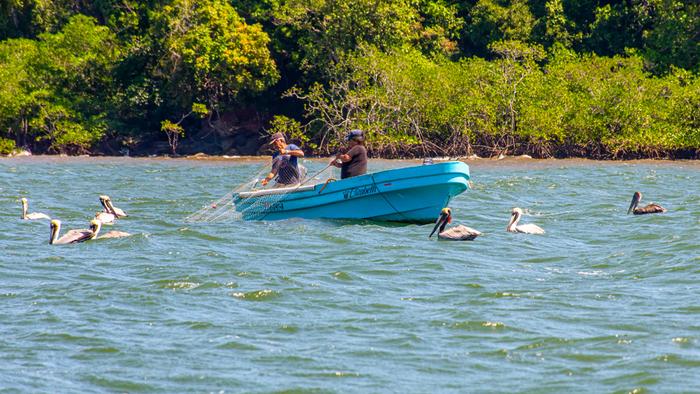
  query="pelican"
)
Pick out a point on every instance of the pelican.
point(33, 215)
point(457, 233)
point(71, 237)
point(106, 216)
point(96, 225)
point(529, 228)
point(651, 208)
point(114, 210)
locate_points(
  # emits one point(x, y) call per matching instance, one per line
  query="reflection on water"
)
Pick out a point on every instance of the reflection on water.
point(604, 300)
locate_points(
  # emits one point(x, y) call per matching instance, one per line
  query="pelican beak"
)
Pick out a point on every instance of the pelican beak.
point(634, 203)
point(439, 221)
point(108, 205)
point(54, 229)
point(512, 220)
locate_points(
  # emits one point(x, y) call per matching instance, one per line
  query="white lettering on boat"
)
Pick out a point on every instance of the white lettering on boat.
point(360, 191)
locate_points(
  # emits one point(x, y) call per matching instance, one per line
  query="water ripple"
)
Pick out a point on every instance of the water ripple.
point(604, 301)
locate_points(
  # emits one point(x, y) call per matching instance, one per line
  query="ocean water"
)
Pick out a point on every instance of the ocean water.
point(603, 302)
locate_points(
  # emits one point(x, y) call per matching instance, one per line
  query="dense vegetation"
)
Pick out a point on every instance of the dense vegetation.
point(549, 78)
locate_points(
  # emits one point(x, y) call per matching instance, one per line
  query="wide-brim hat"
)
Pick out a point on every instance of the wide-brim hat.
point(276, 136)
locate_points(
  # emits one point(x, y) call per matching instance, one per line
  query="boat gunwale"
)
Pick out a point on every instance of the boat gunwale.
point(280, 190)
point(371, 177)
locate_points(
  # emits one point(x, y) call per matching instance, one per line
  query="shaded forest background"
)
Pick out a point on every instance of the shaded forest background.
point(592, 78)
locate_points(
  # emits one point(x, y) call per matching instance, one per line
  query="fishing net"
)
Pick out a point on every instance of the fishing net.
point(252, 201)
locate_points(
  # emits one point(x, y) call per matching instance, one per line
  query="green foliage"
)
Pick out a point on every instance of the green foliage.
point(323, 32)
point(172, 128)
point(7, 146)
point(556, 26)
point(174, 131)
point(674, 39)
point(199, 110)
point(64, 129)
point(609, 107)
point(211, 54)
point(492, 21)
point(598, 77)
point(290, 128)
point(53, 86)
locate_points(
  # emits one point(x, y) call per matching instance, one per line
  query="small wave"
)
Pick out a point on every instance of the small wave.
point(237, 346)
point(177, 284)
point(200, 325)
point(502, 294)
point(331, 374)
point(478, 325)
point(340, 275)
point(258, 295)
point(99, 349)
point(120, 384)
point(683, 341)
point(678, 360)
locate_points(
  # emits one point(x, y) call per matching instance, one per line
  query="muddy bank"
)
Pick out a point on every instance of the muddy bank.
point(519, 162)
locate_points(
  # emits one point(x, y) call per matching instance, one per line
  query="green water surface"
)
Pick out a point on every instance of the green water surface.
point(603, 302)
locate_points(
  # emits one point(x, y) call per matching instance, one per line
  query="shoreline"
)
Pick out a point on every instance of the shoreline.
point(505, 161)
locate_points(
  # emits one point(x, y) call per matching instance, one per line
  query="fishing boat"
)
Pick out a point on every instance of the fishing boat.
point(412, 194)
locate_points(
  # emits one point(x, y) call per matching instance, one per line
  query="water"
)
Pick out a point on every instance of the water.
point(604, 302)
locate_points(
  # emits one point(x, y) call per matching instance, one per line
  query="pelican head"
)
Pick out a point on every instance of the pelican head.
point(635, 201)
point(95, 226)
point(444, 218)
point(515, 215)
point(107, 203)
point(55, 226)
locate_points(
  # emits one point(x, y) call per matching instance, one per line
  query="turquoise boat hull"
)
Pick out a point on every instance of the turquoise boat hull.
point(411, 194)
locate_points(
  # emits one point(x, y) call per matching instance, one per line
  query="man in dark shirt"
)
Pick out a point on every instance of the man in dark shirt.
point(354, 161)
point(284, 162)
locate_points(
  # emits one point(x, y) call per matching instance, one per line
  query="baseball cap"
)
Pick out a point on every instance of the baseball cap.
point(355, 134)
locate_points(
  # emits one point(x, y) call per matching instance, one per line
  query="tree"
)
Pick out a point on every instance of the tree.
point(320, 33)
point(175, 130)
point(516, 62)
point(492, 21)
point(674, 38)
point(211, 55)
point(55, 86)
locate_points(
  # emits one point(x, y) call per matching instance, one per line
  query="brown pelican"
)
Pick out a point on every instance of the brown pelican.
point(112, 209)
point(71, 237)
point(31, 216)
point(529, 228)
point(96, 225)
point(651, 208)
point(457, 233)
point(106, 216)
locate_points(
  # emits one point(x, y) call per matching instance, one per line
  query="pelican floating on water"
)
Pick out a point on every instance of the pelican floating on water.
point(111, 208)
point(96, 225)
point(528, 228)
point(71, 237)
point(457, 233)
point(33, 215)
point(650, 208)
point(106, 216)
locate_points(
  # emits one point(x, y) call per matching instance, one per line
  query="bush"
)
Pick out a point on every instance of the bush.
point(7, 146)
